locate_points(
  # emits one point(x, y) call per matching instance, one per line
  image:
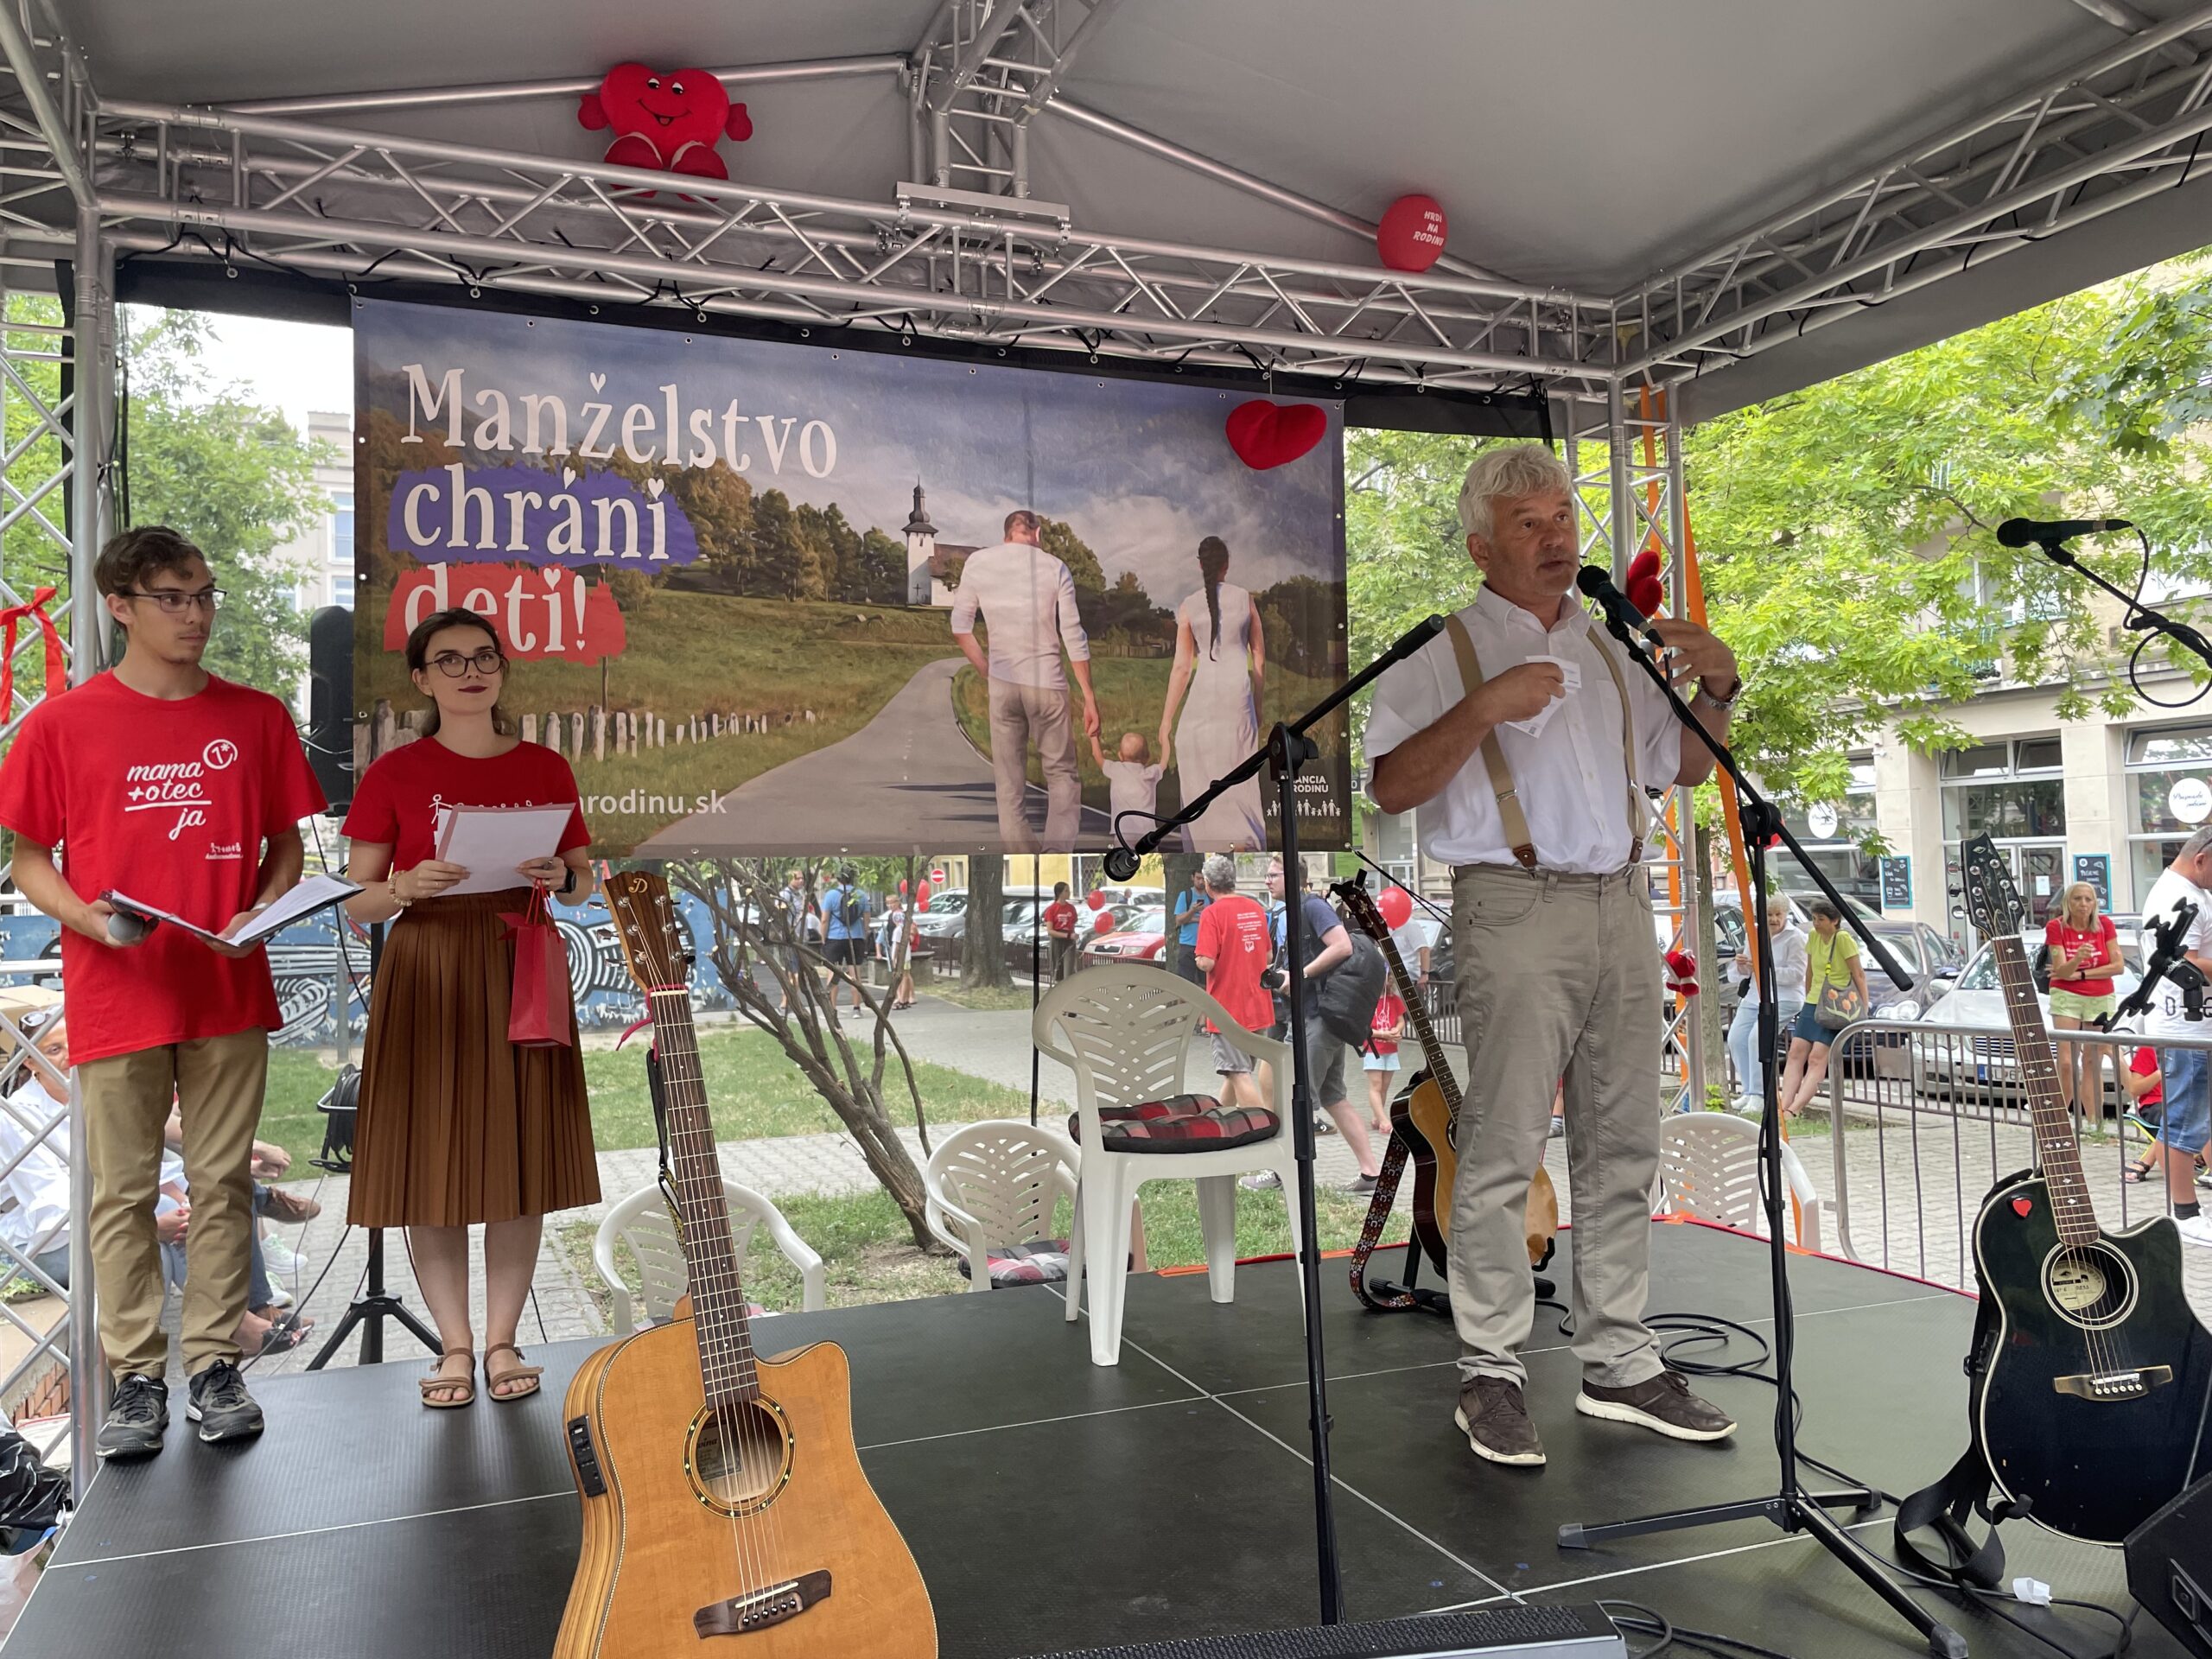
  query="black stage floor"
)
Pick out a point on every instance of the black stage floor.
point(1054, 1503)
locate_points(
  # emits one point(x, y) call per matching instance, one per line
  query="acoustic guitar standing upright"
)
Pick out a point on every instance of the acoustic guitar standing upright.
point(725, 1510)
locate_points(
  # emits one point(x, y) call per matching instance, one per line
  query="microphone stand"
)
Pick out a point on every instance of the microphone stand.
point(1791, 1507)
point(2139, 616)
point(1287, 750)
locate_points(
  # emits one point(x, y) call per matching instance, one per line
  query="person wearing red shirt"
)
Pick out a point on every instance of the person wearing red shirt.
point(2084, 949)
point(1060, 922)
point(1380, 1060)
point(1233, 951)
point(457, 1125)
point(185, 792)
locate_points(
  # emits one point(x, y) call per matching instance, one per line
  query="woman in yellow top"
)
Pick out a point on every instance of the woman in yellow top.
point(1831, 958)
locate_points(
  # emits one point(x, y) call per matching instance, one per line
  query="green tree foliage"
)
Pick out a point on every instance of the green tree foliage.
point(237, 479)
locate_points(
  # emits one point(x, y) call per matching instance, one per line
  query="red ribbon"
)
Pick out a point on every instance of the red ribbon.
point(57, 668)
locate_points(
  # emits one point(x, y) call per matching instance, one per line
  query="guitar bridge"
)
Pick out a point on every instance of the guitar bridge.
point(2114, 1385)
point(758, 1609)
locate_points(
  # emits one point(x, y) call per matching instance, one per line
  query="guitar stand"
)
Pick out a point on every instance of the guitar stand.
point(1439, 1302)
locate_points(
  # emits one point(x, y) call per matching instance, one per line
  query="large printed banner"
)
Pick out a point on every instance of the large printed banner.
point(774, 598)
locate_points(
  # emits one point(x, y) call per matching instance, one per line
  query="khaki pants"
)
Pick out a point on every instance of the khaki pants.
point(217, 1083)
point(1021, 716)
point(1558, 975)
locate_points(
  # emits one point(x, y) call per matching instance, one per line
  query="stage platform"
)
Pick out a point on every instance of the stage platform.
point(1054, 1503)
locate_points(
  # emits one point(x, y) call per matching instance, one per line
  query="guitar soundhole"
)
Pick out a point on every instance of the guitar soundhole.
point(2089, 1285)
point(739, 1457)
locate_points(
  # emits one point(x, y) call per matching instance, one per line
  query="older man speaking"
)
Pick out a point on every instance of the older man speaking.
point(1027, 600)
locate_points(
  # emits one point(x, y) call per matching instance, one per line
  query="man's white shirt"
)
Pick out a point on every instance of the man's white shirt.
point(1027, 600)
point(2168, 894)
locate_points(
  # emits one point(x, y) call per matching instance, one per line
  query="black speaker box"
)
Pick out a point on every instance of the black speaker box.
point(2170, 1567)
point(1537, 1631)
point(330, 704)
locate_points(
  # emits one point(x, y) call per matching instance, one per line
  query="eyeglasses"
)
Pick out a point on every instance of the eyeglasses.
point(453, 665)
point(176, 604)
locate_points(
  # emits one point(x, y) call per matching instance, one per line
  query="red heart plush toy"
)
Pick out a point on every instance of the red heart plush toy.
point(1643, 588)
point(666, 120)
point(1266, 434)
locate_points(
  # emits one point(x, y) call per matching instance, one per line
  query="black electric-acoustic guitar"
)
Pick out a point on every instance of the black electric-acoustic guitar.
point(2092, 1408)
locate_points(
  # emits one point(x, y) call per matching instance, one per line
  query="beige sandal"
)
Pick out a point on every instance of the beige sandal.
point(438, 1379)
point(516, 1372)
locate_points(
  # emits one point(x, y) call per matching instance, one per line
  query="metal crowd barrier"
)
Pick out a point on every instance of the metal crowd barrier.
point(1922, 1121)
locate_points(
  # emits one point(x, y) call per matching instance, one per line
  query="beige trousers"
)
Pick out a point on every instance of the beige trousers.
point(1021, 715)
point(217, 1083)
point(1558, 977)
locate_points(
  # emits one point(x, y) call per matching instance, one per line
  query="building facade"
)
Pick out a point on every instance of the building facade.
point(324, 549)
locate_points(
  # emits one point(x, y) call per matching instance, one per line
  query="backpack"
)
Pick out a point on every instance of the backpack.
point(852, 911)
point(1345, 1003)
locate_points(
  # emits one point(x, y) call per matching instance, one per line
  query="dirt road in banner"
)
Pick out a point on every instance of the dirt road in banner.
point(907, 780)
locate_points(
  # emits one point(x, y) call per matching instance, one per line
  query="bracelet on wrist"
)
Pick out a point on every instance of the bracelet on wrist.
point(1735, 690)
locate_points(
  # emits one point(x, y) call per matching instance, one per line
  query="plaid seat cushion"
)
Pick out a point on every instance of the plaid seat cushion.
point(1179, 1123)
point(1040, 1262)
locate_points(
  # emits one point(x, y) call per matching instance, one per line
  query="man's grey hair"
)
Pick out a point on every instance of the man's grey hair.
point(2198, 844)
point(1500, 475)
point(1221, 872)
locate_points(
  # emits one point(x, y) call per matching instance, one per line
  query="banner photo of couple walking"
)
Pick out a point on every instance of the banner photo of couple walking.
point(769, 595)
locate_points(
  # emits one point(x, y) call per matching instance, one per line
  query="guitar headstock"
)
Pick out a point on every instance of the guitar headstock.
point(647, 928)
point(1993, 902)
point(1360, 908)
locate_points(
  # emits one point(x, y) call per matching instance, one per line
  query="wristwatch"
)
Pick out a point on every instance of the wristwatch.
point(1724, 704)
point(567, 888)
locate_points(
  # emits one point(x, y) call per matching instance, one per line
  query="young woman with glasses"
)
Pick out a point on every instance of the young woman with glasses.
point(457, 1125)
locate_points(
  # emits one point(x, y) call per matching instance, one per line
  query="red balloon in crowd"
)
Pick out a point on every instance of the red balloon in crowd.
point(1104, 922)
point(1095, 898)
point(1411, 235)
point(922, 896)
point(902, 886)
point(1397, 907)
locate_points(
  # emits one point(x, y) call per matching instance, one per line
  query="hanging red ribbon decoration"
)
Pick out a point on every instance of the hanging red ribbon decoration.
point(57, 667)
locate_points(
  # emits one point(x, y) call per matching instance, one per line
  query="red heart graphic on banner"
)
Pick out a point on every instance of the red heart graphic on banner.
point(2021, 1206)
point(1266, 434)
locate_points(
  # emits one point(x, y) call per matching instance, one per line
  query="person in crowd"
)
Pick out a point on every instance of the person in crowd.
point(1233, 952)
point(1552, 938)
point(2185, 1113)
point(2084, 949)
point(846, 907)
point(1831, 959)
point(1190, 908)
point(267, 1327)
point(897, 946)
point(1329, 945)
point(458, 1127)
point(1060, 920)
point(185, 792)
point(1416, 943)
point(1132, 784)
point(800, 917)
point(1026, 599)
point(1221, 662)
point(1380, 1062)
point(35, 1140)
point(1789, 941)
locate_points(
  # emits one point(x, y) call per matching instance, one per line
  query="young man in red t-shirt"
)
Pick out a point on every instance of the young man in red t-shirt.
point(158, 780)
point(1059, 923)
point(1233, 950)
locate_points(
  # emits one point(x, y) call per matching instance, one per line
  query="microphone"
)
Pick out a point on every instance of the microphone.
point(1597, 584)
point(2025, 532)
point(1121, 864)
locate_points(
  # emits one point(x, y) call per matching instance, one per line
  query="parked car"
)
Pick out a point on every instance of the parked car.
point(1142, 937)
point(1985, 1067)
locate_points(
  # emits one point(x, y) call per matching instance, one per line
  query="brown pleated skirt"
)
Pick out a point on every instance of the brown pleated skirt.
point(457, 1124)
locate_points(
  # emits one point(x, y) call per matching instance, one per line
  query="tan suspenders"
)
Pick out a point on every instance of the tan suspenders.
point(1501, 776)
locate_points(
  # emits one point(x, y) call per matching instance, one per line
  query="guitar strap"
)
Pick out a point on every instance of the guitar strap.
point(1945, 1505)
point(1371, 1230)
point(658, 1091)
point(1507, 793)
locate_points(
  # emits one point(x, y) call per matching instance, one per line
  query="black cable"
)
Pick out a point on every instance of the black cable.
point(1646, 1621)
point(2135, 657)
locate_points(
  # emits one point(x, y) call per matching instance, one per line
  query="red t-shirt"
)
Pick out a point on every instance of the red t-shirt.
point(1233, 935)
point(1059, 918)
point(399, 796)
point(1389, 1010)
point(2142, 1064)
point(168, 802)
point(2066, 941)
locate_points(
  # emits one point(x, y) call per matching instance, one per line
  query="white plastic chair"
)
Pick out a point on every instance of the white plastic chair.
point(1126, 1032)
point(995, 1184)
point(641, 1220)
point(1709, 1168)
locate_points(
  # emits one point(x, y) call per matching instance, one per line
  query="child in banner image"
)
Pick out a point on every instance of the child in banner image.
point(1132, 780)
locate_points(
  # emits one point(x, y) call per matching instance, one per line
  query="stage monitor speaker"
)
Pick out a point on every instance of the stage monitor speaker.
point(330, 704)
point(1568, 1632)
point(2170, 1567)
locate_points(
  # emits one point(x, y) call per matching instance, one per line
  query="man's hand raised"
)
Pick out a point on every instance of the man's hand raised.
point(1522, 692)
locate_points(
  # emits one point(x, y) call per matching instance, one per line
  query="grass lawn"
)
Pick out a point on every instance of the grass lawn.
point(297, 1078)
point(869, 1256)
point(983, 1000)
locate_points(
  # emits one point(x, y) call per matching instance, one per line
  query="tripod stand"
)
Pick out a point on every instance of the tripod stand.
point(1791, 1506)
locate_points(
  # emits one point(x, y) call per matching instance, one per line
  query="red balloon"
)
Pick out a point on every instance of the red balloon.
point(902, 886)
point(1104, 923)
point(1095, 898)
point(1396, 907)
point(922, 896)
point(1411, 235)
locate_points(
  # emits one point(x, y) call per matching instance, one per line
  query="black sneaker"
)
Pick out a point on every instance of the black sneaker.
point(1495, 1420)
point(137, 1419)
point(1664, 1404)
point(218, 1402)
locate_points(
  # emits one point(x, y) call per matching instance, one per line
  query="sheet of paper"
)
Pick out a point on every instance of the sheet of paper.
point(491, 842)
point(312, 893)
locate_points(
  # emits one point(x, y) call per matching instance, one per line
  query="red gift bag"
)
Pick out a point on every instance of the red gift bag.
point(540, 1013)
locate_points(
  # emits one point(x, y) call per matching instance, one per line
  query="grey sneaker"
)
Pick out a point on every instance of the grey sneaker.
point(137, 1419)
point(1495, 1420)
point(1360, 1186)
point(1263, 1181)
point(218, 1402)
point(1664, 1404)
